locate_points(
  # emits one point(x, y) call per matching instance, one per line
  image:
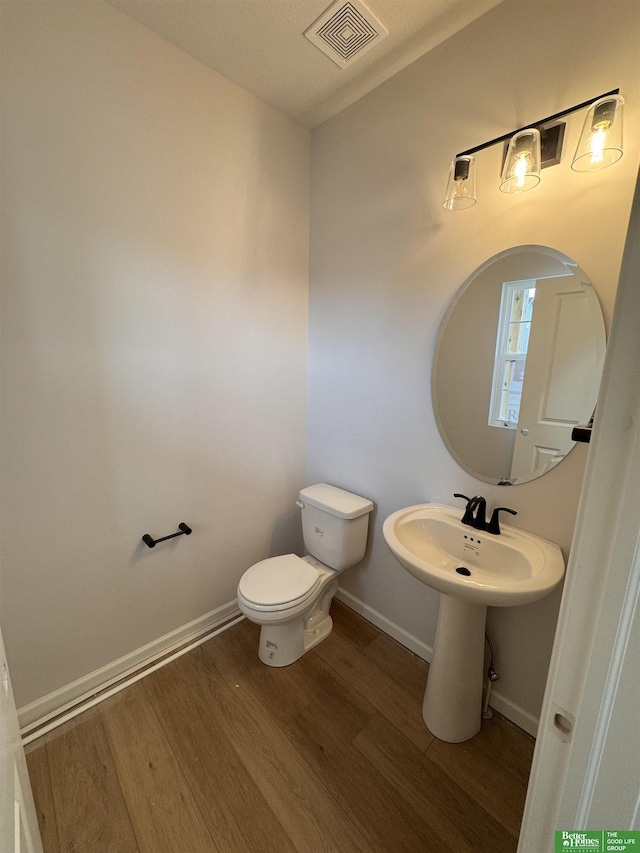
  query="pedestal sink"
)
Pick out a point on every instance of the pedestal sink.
point(473, 570)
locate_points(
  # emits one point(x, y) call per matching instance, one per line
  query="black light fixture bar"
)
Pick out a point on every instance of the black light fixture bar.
point(511, 133)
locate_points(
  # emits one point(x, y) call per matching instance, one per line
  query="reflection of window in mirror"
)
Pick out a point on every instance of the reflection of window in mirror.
point(512, 341)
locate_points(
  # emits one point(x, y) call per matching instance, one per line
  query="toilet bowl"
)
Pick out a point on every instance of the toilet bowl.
point(290, 596)
point(291, 622)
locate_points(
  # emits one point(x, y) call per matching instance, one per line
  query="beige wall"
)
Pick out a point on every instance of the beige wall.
point(154, 265)
point(386, 259)
point(154, 308)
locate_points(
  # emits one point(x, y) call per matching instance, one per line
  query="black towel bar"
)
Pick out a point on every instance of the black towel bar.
point(151, 542)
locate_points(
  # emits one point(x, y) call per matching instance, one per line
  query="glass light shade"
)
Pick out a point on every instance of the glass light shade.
point(521, 171)
point(601, 140)
point(461, 186)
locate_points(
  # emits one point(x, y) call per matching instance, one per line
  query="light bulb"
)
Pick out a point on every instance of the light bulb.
point(459, 191)
point(461, 187)
point(521, 170)
point(600, 143)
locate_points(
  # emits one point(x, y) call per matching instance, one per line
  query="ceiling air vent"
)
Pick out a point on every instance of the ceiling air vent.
point(346, 31)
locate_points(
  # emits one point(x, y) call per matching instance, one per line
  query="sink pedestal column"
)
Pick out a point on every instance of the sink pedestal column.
point(452, 706)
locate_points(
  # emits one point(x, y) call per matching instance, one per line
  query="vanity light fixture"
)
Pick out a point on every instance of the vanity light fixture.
point(601, 140)
point(521, 171)
point(461, 186)
point(538, 146)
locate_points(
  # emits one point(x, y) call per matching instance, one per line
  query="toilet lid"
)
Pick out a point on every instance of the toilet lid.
point(278, 580)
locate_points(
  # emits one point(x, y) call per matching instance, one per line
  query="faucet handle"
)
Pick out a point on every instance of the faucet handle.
point(494, 524)
point(477, 503)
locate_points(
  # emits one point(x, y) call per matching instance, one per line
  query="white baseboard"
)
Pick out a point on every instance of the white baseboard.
point(67, 701)
point(523, 719)
point(526, 721)
point(403, 637)
point(83, 691)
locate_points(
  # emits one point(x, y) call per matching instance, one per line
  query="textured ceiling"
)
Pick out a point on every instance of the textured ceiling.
point(260, 45)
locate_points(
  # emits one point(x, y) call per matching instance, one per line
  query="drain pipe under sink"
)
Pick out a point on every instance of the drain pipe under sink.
point(492, 676)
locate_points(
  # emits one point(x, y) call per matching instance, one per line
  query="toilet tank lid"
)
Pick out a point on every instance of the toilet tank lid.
point(336, 501)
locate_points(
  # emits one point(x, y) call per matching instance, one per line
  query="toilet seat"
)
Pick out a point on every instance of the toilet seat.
point(279, 583)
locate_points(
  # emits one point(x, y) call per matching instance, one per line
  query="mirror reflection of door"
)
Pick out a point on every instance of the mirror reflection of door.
point(517, 364)
point(561, 361)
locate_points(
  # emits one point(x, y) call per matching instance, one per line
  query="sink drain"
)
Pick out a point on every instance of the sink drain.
point(463, 570)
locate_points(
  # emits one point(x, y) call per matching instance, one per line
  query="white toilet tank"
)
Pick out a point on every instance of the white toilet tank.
point(335, 524)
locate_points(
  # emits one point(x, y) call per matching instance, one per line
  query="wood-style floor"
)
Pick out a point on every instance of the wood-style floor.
point(217, 752)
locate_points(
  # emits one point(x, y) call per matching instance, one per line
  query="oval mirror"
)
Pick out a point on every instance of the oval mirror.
point(518, 364)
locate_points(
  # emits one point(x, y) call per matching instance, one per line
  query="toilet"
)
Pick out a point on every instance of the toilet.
point(290, 596)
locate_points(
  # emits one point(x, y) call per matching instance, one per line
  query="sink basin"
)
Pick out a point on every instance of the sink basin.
point(473, 570)
point(501, 571)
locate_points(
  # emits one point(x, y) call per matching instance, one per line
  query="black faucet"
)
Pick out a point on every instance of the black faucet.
point(477, 504)
point(475, 514)
point(494, 524)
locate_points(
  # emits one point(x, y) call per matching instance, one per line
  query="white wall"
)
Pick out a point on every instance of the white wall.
point(154, 264)
point(386, 259)
point(154, 272)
